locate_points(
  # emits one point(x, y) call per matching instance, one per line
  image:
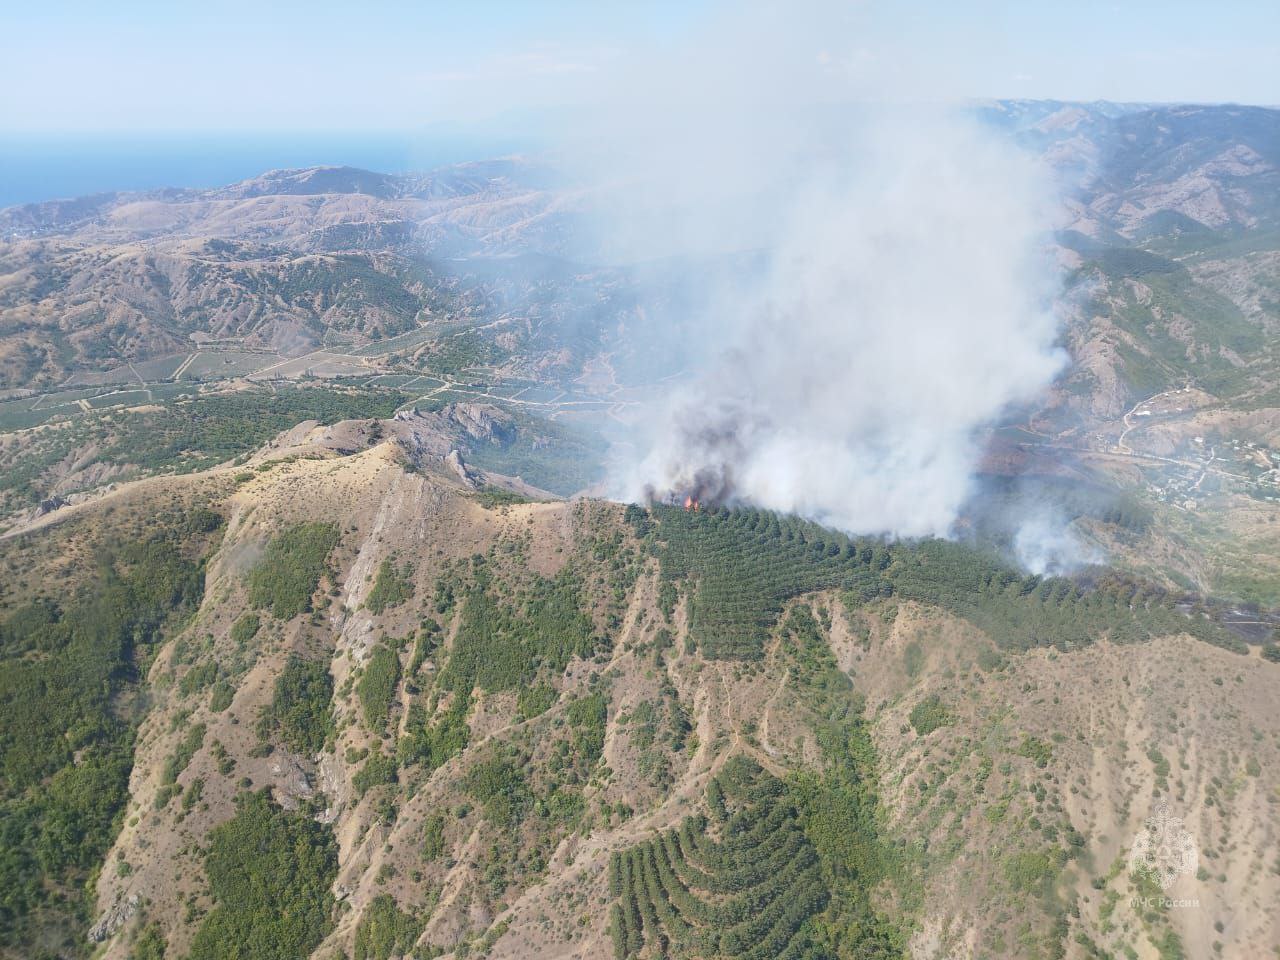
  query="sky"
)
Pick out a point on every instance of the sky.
point(138, 94)
point(492, 66)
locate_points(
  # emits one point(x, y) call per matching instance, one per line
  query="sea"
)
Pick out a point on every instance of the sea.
point(38, 168)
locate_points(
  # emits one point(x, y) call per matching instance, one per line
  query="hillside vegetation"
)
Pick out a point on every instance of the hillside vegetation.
point(74, 668)
point(452, 725)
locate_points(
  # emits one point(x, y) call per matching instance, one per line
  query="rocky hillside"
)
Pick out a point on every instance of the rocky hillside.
point(287, 263)
point(1143, 171)
point(357, 700)
point(296, 260)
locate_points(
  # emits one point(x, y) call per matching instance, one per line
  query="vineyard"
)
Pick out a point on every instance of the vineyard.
point(743, 882)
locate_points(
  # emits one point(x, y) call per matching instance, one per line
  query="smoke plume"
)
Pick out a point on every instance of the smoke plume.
point(897, 299)
point(1047, 543)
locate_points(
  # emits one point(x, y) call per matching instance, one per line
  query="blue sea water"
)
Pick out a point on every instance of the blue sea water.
point(47, 168)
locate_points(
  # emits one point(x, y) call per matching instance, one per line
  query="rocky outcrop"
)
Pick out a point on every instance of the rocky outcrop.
point(459, 468)
point(49, 505)
point(292, 785)
point(115, 917)
point(482, 421)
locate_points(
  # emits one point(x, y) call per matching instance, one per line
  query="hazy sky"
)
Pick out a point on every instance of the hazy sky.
point(131, 66)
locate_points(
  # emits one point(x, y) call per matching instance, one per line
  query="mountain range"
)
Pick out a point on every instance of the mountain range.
point(318, 639)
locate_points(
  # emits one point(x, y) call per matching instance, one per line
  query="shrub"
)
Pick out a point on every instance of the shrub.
point(1033, 871)
point(391, 588)
point(301, 706)
point(587, 716)
point(384, 931)
point(378, 770)
point(1036, 749)
point(221, 697)
point(433, 743)
point(245, 628)
point(1159, 763)
point(930, 714)
point(182, 754)
point(286, 577)
point(269, 873)
point(498, 784)
point(433, 837)
point(491, 498)
point(150, 944)
point(197, 678)
point(536, 700)
point(377, 686)
point(913, 659)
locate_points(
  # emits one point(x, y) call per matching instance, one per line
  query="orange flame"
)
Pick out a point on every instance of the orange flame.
point(690, 503)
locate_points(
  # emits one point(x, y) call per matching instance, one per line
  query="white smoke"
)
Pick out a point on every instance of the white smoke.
point(899, 297)
point(1046, 543)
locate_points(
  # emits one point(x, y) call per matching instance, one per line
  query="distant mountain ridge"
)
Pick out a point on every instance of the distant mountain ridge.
point(511, 174)
point(122, 277)
point(1139, 169)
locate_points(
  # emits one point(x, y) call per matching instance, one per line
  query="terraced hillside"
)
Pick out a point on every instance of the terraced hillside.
point(746, 883)
point(744, 565)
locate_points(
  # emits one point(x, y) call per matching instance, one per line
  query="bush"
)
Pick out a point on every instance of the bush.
point(588, 716)
point(182, 754)
point(491, 498)
point(433, 743)
point(377, 686)
point(391, 588)
point(221, 696)
point(928, 715)
point(286, 577)
point(150, 944)
point(498, 784)
point(536, 700)
point(433, 837)
point(384, 931)
point(377, 771)
point(301, 706)
point(1037, 750)
point(245, 628)
point(1159, 763)
point(269, 873)
point(197, 678)
point(1033, 871)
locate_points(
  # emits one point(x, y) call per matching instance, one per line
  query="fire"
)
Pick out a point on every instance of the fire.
point(690, 503)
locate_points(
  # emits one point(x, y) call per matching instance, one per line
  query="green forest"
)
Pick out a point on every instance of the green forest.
point(269, 872)
point(66, 747)
point(742, 565)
